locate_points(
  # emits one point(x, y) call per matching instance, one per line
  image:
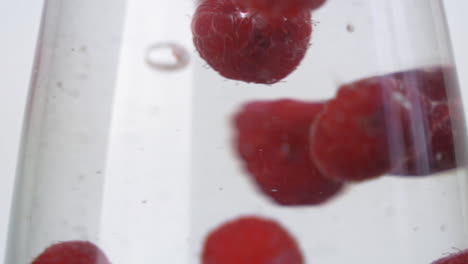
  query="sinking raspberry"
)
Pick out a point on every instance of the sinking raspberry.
point(281, 7)
point(385, 122)
point(435, 124)
point(314, 4)
point(272, 139)
point(72, 252)
point(437, 153)
point(349, 140)
point(248, 44)
point(251, 240)
point(457, 258)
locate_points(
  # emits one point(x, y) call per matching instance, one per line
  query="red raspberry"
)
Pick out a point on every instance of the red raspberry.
point(314, 4)
point(434, 81)
point(434, 131)
point(349, 139)
point(380, 123)
point(289, 7)
point(430, 82)
point(72, 252)
point(443, 132)
point(272, 140)
point(457, 258)
point(247, 44)
point(251, 240)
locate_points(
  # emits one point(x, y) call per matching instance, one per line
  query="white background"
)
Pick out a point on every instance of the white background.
point(19, 24)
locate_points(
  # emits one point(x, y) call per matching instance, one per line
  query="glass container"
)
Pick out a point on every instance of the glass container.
point(152, 124)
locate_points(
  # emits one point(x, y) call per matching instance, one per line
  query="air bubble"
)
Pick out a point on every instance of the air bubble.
point(167, 57)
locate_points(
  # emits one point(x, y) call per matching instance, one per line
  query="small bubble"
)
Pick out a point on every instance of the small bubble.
point(274, 190)
point(98, 172)
point(285, 150)
point(144, 201)
point(83, 48)
point(415, 229)
point(443, 228)
point(59, 84)
point(350, 28)
point(167, 57)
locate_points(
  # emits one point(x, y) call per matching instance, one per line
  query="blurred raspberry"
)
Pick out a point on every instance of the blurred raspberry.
point(397, 122)
point(251, 240)
point(457, 258)
point(272, 138)
point(72, 252)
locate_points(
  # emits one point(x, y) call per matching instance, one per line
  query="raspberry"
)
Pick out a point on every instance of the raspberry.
point(289, 7)
point(349, 139)
point(248, 44)
point(314, 4)
point(457, 258)
point(72, 252)
point(433, 83)
point(272, 140)
point(251, 240)
point(434, 131)
point(443, 132)
point(380, 123)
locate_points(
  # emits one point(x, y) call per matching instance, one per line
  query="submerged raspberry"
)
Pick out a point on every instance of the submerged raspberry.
point(349, 140)
point(387, 123)
point(435, 126)
point(272, 138)
point(457, 258)
point(437, 151)
point(72, 252)
point(288, 7)
point(251, 240)
point(246, 44)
